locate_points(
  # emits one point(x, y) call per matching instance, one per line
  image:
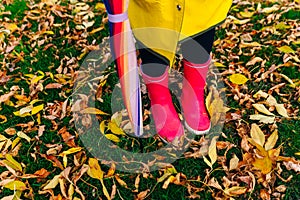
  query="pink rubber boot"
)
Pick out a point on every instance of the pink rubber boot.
point(167, 122)
point(193, 101)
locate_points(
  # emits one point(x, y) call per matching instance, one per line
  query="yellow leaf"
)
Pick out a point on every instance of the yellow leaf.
point(257, 135)
point(262, 151)
point(217, 64)
point(115, 129)
point(261, 108)
point(11, 26)
point(105, 192)
point(163, 177)
point(3, 119)
point(17, 113)
point(212, 150)
point(15, 185)
point(238, 79)
point(117, 118)
point(263, 118)
point(95, 170)
point(36, 79)
point(207, 162)
point(271, 140)
point(168, 181)
point(48, 32)
point(23, 135)
point(282, 26)
point(264, 164)
point(112, 137)
point(94, 111)
point(70, 151)
point(102, 127)
point(246, 14)
point(53, 183)
point(281, 110)
point(16, 165)
point(100, 6)
point(65, 160)
point(286, 49)
point(37, 109)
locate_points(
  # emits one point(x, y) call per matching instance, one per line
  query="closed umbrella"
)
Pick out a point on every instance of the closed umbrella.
point(124, 53)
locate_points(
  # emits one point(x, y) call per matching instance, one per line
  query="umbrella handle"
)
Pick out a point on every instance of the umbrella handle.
point(117, 17)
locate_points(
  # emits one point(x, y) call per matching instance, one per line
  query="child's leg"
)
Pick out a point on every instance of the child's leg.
point(155, 74)
point(196, 62)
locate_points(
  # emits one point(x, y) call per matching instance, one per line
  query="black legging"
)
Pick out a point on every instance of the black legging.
point(195, 50)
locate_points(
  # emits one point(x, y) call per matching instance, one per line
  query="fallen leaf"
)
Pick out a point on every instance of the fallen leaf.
point(115, 129)
point(261, 108)
point(281, 110)
point(94, 111)
point(271, 140)
point(257, 135)
point(233, 163)
point(52, 183)
point(286, 49)
point(16, 185)
point(238, 79)
point(263, 118)
point(23, 135)
point(3, 119)
point(113, 137)
point(235, 191)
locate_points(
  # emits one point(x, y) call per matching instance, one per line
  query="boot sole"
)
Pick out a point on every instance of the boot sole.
point(196, 132)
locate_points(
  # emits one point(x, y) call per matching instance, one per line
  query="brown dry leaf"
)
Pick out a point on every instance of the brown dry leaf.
point(3, 119)
point(253, 61)
point(42, 173)
point(67, 137)
point(10, 131)
point(257, 135)
point(235, 191)
point(120, 181)
point(264, 195)
point(233, 163)
point(53, 86)
point(142, 195)
point(214, 183)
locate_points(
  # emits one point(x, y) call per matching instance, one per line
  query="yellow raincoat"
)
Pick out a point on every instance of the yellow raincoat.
point(160, 24)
